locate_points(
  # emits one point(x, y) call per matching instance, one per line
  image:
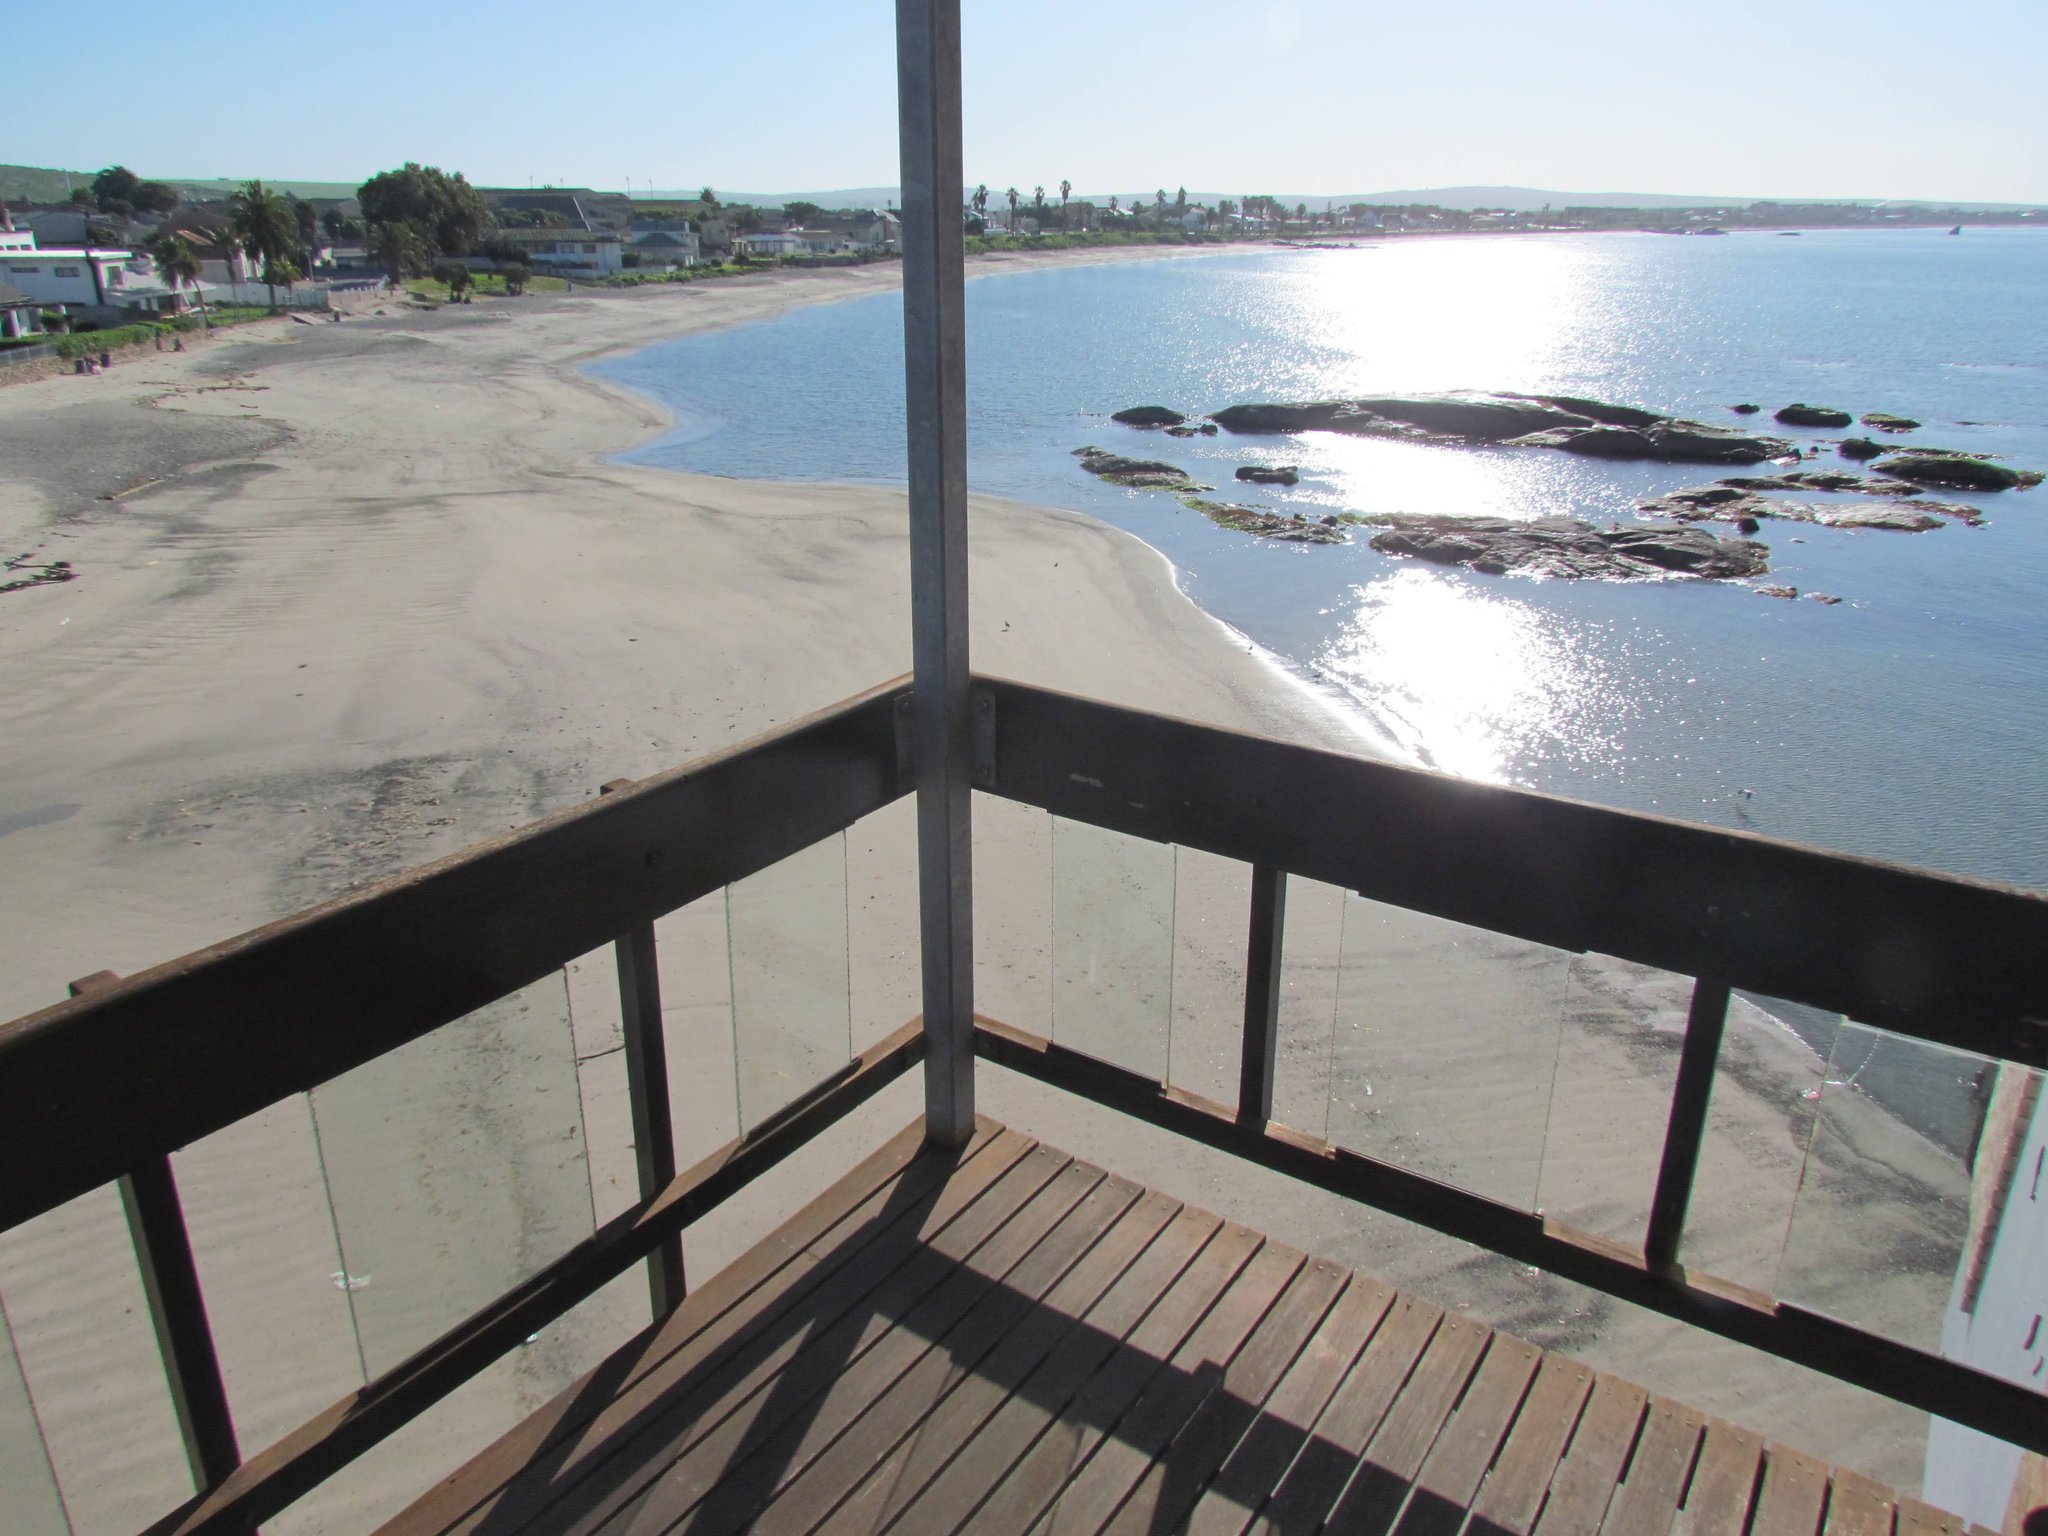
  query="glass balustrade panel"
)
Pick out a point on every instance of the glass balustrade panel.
point(696, 1014)
point(33, 1505)
point(1617, 1062)
point(1211, 921)
point(1310, 956)
point(1112, 945)
point(1759, 1120)
point(456, 1167)
point(886, 980)
point(1445, 1045)
point(786, 942)
point(1900, 1198)
point(1013, 913)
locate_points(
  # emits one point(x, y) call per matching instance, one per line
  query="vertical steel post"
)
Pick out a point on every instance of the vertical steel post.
point(1262, 996)
point(654, 1134)
point(935, 400)
point(177, 1307)
point(1684, 1132)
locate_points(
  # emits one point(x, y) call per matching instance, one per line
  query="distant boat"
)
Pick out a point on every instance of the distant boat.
point(1957, 230)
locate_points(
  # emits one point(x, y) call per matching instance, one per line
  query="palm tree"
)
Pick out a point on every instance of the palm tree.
point(1038, 201)
point(1066, 186)
point(1012, 196)
point(174, 258)
point(980, 200)
point(1114, 204)
point(265, 226)
point(397, 248)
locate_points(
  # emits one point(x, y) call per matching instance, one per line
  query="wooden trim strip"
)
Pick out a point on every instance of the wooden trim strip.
point(91, 1087)
point(1934, 956)
point(272, 1479)
point(1954, 1391)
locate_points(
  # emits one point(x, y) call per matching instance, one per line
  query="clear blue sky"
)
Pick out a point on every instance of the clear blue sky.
point(1884, 98)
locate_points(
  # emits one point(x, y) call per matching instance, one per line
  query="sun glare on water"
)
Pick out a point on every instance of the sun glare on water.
point(1478, 683)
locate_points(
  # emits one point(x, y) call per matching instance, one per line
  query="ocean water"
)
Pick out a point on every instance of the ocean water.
point(1907, 723)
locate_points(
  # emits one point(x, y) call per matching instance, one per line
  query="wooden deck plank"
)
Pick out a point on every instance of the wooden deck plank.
point(788, 1265)
point(1917, 1518)
point(1055, 1435)
point(896, 1384)
point(1794, 1492)
point(1585, 1480)
point(1170, 1486)
point(874, 1481)
point(707, 1429)
point(752, 1355)
point(1372, 1501)
point(1858, 1506)
point(1646, 1503)
point(1724, 1483)
point(1275, 1438)
point(1115, 1437)
point(1316, 1476)
point(1512, 1496)
point(1458, 1462)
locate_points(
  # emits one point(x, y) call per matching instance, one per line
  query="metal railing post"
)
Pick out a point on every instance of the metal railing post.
point(1687, 1128)
point(1262, 995)
point(177, 1307)
point(935, 402)
point(646, 1052)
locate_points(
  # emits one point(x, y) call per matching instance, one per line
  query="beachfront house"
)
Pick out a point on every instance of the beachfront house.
point(666, 247)
point(20, 315)
point(106, 285)
point(958, 1326)
point(770, 244)
point(567, 252)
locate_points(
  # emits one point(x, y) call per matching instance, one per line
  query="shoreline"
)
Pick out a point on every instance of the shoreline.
point(398, 598)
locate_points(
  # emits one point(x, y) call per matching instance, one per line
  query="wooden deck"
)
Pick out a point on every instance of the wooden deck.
point(1014, 1341)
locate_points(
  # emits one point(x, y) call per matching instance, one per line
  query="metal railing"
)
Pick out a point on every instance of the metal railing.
point(103, 1088)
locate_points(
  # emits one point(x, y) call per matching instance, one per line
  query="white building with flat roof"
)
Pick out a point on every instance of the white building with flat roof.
point(89, 277)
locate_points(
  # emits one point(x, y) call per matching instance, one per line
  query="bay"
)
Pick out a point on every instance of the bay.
point(1906, 723)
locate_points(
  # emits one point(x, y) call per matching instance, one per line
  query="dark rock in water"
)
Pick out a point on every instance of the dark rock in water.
point(1837, 480)
point(1180, 431)
point(1565, 547)
point(1140, 474)
point(1525, 421)
point(1745, 409)
point(1823, 597)
point(1858, 448)
point(1149, 416)
point(1206, 428)
point(1955, 469)
point(1800, 414)
point(1275, 474)
point(1898, 516)
point(1268, 525)
point(1787, 593)
point(1885, 421)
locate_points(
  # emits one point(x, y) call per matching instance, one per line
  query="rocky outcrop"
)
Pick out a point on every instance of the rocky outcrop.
point(1800, 414)
point(1745, 509)
point(1836, 480)
point(1270, 525)
point(1567, 548)
point(1567, 422)
point(1269, 474)
point(1745, 409)
point(1149, 416)
point(1960, 471)
point(1205, 428)
point(1858, 448)
point(1885, 421)
point(1140, 474)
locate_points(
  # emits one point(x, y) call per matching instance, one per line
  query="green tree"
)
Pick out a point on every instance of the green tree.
point(401, 248)
point(309, 230)
point(980, 200)
point(179, 264)
point(1066, 187)
point(446, 209)
point(1012, 196)
point(264, 225)
point(1180, 203)
point(155, 197)
point(81, 197)
point(709, 199)
point(116, 184)
point(800, 213)
point(457, 278)
point(516, 275)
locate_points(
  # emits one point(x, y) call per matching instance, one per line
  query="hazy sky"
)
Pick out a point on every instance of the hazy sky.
point(1878, 99)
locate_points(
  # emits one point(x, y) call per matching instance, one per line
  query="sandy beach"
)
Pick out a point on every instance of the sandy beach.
point(353, 596)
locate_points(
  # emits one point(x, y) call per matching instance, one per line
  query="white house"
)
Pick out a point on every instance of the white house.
point(670, 247)
point(572, 252)
point(772, 244)
point(80, 278)
point(1195, 221)
point(19, 315)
